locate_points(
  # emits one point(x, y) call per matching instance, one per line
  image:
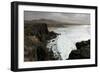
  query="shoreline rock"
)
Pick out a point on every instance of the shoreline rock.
point(82, 52)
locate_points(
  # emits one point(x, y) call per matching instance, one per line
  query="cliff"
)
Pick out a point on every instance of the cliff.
point(36, 37)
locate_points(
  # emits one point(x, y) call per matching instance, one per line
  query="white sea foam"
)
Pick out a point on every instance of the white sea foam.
point(69, 36)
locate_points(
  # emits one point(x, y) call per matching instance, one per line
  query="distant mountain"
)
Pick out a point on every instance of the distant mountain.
point(50, 23)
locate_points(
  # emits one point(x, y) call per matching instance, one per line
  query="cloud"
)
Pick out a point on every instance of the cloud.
point(79, 18)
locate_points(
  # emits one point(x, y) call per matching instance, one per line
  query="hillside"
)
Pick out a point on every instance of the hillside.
point(50, 23)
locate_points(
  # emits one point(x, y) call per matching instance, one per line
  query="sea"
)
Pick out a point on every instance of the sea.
point(69, 36)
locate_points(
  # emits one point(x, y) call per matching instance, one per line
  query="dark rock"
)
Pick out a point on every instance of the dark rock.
point(35, 41)
point(82, 52)
point(52, 35)
point(41, 54)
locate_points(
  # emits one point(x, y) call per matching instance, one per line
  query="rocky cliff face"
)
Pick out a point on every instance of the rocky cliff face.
point(36, 37)
point(82, 52)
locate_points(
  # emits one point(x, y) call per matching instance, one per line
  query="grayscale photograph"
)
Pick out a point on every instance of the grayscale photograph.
point(52, 36)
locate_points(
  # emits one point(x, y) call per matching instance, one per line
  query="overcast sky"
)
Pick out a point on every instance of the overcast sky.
point(80, 18)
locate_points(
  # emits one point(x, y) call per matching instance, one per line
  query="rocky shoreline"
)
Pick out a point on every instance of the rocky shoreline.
point(37, 37)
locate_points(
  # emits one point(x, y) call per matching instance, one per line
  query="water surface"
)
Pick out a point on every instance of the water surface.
point(69, 35)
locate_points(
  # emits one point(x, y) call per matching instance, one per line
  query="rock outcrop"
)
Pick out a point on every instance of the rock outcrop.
point(36, 37)
point(82, 52)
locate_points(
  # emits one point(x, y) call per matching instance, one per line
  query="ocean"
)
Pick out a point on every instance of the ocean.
point(69, 35)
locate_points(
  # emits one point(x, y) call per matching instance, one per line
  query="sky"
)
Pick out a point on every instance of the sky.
point(79, 18)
